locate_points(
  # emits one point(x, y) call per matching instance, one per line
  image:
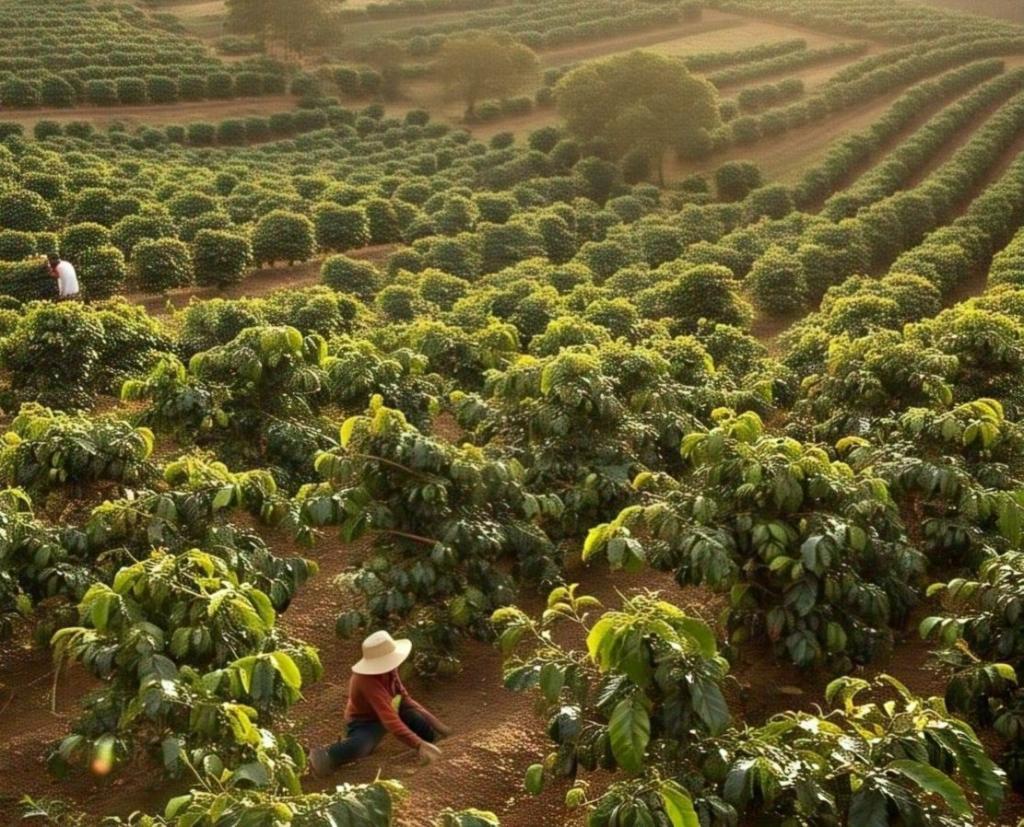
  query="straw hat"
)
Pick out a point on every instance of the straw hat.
point(381, 654)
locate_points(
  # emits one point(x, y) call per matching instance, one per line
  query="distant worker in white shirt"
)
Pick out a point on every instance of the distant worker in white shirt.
point(67, 278)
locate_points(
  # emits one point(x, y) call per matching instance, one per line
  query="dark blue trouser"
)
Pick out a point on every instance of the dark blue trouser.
point(362, 737)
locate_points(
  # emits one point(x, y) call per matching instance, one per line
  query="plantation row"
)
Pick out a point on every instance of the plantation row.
point(60, 57)
point(754, 70)
point(896, 171)
point(589, 334)
point(404, 180)
point(845, 156)
point(544, 24)
point(415, 8)
point(854, 89)
point(704, 61)
point(573, 414)
point(895, 22)
point(760, 112)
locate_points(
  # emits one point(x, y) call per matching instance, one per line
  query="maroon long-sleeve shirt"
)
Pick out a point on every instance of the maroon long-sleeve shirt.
point(371, 698)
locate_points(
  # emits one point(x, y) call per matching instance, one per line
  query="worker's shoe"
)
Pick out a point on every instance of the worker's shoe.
point(320, 762)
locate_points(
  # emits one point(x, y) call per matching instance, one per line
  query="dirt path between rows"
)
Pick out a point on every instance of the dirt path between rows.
point(258, 283)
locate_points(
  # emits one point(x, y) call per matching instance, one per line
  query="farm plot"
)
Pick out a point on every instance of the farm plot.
point(686, 443)
point(152, 64)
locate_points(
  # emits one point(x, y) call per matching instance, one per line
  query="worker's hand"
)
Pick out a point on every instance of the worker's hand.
point(443, 729)
point(429, 753)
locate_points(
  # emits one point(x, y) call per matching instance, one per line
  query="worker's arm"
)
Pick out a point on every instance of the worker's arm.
point(380, 700)
point(411, 702)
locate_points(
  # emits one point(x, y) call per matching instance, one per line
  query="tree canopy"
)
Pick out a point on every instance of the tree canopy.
point(636, 101)
point(482, 66)
point(295, 22)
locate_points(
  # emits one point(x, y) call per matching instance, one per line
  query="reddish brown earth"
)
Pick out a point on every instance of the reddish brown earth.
point(496, 734)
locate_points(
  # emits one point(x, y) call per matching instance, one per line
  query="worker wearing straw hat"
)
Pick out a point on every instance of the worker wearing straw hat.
point(378, 703)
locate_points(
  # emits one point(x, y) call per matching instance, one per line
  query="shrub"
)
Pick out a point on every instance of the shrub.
point(352, 276)
point(281, 235)
point(636, 165)
point(162, 89)
point(398, 302)
point(101, 92)
point(49, 185)
point(735, 179)
point(853, 535)
point(745, 130)
point(24, 210)
point(54, 353)
point(309, 120)
point(231, 131)
point(496, 208)
point(102, 272)
point(212, 220)
point(256, 129)
point(544, 139)
point(383, 220)
point(56, 92)
point(281, 123)
point(25, 281)
point(220, 85)
point(161, 264)
point(369, 81)
point(220, 257)
point(340, 228)
point(95, 204)
point(503, 140)
point(778, 283)
point(47, 129)
point(132, 229)
point(176, 134)
point(347, 80)
point(131, 91)
point(305, 86)
point(201, 133)
point(19, 94)
point(441, 288)
point(773, 201)
point(16, 245)
point(78, 238)
point(249, 84)
point(690, 294)
point(192, 87)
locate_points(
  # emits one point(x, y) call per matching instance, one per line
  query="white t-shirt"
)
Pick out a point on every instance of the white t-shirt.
point(67, 279)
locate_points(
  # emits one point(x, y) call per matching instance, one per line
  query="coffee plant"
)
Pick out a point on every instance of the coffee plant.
point(189, 657)
point(813, 556)
point(453, 531)
point(45, 449)
point(982, 649)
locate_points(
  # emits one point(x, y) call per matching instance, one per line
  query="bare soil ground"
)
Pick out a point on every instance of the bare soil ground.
point(496, 734)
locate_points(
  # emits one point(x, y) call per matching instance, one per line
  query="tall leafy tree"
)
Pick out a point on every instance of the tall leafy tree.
point(637, 101)
point(297, 23)
point(481, 66)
